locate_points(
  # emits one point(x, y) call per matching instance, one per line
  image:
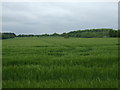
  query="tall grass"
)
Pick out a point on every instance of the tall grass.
point(60, 62)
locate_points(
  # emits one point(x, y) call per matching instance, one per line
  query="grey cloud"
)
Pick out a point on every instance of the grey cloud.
point(38, 18)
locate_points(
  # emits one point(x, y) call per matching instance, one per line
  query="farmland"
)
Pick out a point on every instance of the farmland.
point(57, 62)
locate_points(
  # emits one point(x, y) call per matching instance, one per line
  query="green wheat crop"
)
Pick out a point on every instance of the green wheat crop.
point(56, 62)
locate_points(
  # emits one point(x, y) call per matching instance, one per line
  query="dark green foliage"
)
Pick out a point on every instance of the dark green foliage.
point(65, 35)
point(7, 35)
point(44, 35)
point(22, 35)
point(89, 33)
point(113, 33)
point(55, 34)
point(118, 33)
point(93, 33)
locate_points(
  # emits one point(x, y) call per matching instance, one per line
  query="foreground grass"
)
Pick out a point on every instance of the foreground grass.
point(60, 63)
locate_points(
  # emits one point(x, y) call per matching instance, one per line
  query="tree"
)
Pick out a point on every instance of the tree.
point(8, 35)
point(55, 34)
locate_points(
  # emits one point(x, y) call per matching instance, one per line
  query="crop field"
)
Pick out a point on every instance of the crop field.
point(56, 62)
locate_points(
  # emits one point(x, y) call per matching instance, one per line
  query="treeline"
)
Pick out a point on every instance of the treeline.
point(89, 33)
point(7, 35)
point(93, 33)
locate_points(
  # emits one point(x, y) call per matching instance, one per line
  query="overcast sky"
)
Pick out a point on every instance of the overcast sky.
point(59, 17)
